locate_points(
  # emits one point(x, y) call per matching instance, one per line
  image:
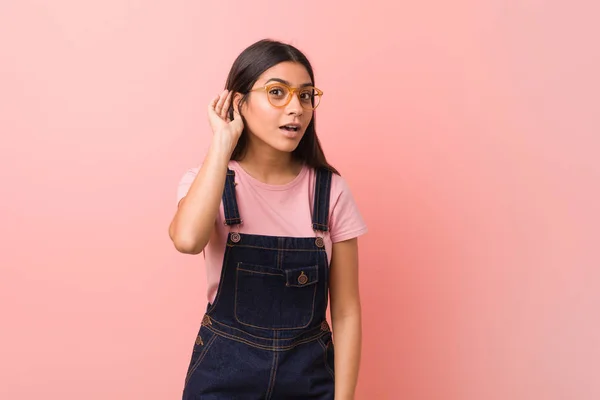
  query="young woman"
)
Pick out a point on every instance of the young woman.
point(278, 227)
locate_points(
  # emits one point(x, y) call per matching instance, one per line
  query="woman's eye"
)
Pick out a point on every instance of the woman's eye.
point(306, 95)
point(277, 92)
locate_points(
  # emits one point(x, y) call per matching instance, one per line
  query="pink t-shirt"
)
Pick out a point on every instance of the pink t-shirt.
point(277, 210)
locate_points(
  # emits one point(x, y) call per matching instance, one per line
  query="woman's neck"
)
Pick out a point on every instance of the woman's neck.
point(269, 165)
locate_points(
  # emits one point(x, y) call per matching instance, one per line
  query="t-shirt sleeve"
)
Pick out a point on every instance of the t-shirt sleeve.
point(346, 219)
point(186, 182)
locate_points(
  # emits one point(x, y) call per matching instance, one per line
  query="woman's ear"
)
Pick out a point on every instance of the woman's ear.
point(235, 105)
point(236, 102)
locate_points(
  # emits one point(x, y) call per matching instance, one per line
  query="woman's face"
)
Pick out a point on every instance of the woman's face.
point(278, 127)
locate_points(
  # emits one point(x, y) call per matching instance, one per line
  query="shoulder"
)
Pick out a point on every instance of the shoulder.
point(346, 219)
point(188, 175)
point(339, 187)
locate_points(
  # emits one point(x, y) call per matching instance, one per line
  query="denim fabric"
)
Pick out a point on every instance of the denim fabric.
point(266, 336)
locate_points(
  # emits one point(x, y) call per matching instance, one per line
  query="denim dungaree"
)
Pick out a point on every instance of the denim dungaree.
point(266, 335)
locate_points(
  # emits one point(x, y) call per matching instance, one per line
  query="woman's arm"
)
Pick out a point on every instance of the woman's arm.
point(194, 220)
point(345, 316)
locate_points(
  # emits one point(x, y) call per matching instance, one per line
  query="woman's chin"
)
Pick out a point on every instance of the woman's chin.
point(286, 143)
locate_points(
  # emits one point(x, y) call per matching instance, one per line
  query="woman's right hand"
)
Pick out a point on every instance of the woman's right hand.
point(226, 131)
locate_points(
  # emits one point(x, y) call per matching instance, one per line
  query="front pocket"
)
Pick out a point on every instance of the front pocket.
point(273, 298)
point(203, 342)
point(328, 354)
point(330, 358)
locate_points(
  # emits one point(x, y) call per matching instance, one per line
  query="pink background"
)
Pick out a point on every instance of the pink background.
point(468, 131)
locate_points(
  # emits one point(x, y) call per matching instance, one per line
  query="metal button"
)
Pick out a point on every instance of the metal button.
point(319, 242)
point(302, 279)
point(235, 237)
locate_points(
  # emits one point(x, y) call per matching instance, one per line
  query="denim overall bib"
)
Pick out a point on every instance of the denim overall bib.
point(266, 336)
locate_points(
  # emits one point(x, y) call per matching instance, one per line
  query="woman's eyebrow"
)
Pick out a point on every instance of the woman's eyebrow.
point(286, 82)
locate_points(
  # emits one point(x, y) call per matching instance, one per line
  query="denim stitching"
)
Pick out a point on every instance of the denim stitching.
point(231, 184)
point(256, 272)
point(235, 206)
point(308, 268)
point(316, 200)
point(264, 337)
point(259, 268)
point(326, 361)
point(265, 347)
point(326, 201)
point(230, 201)
point(226, 201)
point(273, 369)
point(271, 377)
point(325, 351)
point(321, 342)
point(279, 254)
point(202, 355)
point(275, 248)
point(312, 314)
point(221, 281)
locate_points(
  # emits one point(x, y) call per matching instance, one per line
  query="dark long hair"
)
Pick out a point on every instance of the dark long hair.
point(245, 71)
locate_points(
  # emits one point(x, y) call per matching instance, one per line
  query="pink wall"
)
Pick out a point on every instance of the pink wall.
point(468, 131)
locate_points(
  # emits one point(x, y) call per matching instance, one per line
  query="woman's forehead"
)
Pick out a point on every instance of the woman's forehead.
point(292, 73)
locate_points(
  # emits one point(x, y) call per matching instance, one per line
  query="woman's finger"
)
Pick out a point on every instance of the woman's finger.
point(219, 105)
point(225, 109)
point(213, 104)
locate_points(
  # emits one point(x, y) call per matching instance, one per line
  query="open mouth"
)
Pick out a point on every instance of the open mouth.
point(290, 128)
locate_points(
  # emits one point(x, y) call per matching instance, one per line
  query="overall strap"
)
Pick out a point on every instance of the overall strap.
point(320, 215)
point(232, 214)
